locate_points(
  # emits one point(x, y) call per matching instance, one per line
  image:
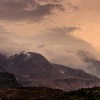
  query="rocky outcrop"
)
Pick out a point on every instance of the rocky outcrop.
point(8, 80)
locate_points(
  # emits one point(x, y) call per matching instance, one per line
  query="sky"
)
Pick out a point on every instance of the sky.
point(58, 29)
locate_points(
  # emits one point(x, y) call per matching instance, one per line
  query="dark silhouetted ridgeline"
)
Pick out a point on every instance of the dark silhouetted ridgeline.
point(42, 93)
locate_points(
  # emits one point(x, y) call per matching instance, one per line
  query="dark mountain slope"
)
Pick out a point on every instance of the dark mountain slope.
point(3, 63)
point(32, 64)
point(73, 72)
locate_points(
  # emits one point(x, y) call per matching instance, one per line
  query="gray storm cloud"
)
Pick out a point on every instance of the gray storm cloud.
point(21, 10)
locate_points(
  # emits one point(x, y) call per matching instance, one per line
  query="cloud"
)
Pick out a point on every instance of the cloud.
point(19, 10)
point(62, 36)
point(58, 32)
point(50, 0)
point(63, 30)
point(32, 10)
point(8, 43)
point(41, 46)
point(73, 6)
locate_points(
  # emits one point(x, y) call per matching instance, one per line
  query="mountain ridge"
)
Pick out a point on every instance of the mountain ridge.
point(32, 69)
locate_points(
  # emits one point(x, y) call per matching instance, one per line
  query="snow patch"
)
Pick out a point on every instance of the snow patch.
point(28, 55)
point(61, 71)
